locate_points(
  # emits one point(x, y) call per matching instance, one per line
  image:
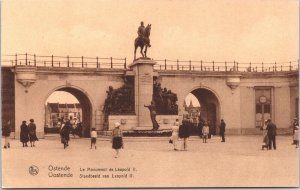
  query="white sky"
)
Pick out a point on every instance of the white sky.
point(219, 30)
point(241, 30)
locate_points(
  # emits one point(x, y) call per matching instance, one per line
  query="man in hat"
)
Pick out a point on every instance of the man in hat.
point(271, 128)
point(222, 130)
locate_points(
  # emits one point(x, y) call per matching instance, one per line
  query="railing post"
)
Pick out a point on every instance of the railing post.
point(26, 58)
point(250, 67)
point(111, 64)
point(225, 66)
point(82, 62)
point(290, 65)
point(16, 59)
point(125, 64)
point(262, 66)
point(190, 65)
point(44, 63)
point(52, 60)
point(177, 64)
point(59, 64)
point(34, 60)
point(97, 62)
point(201, 64)
point(68, 61)
point(165, 64)
point(275, 66)
point(237, 66)
point(213, 65)
point(281, 67)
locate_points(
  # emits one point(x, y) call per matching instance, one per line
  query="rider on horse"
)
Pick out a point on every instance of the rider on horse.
point(141, 34)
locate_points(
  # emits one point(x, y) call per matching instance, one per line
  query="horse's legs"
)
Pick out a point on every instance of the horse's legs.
point(142, 47)
point(135, 52)
point(146, 51)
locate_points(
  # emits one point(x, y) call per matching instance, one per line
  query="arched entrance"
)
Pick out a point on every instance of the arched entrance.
point(209, 106)
point(81, 112)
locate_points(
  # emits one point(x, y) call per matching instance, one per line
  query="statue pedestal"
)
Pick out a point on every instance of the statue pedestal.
point(143, 89)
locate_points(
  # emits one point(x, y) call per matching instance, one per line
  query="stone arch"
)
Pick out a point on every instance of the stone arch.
point(85, 102)
point(210, 104)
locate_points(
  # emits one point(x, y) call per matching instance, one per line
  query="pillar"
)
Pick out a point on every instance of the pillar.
point(143, 88)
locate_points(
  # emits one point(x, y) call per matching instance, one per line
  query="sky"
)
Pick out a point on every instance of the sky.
point(219, 30)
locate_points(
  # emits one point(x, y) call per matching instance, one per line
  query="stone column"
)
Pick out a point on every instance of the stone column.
point(143, 88)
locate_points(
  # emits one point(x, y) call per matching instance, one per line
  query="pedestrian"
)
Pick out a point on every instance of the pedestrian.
point(93, 137)
point(271, 128)
point(117, 139)
point(296, 136)
point(184, 133)
point(295, 124)
point(65, 133)
point(265, 136)
point(32, 133)
point(205, 132)
point(222, 130)
point(175, 134)
point(24, 134)
point(6, 133)
point(200, 125)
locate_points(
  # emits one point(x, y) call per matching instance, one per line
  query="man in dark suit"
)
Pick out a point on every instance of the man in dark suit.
point(271, 128)
point(222, 130)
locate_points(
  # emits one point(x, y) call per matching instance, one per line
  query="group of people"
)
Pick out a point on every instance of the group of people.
point(181, 133)
point(28, 133)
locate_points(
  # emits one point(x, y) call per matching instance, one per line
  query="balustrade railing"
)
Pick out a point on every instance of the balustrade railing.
point(226, 66)
point(120, 63)
point(64, 61)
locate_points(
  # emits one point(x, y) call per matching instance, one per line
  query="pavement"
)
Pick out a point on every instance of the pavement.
point(151, 162)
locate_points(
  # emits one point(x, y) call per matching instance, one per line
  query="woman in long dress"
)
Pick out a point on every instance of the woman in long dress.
point(117, 139)
point(175, 134)
point(24, 135)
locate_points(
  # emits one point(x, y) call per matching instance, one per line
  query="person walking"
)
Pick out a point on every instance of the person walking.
point(6, 133)
point(117, 138)
point(222, 130)
point(175, 135)
point(24, 134)
point(205, 132)
point(93, 137)
point(32, 133)
point(296, 136)
point(271, 128)
point(184, 133)
point(295, 124)
point(65, 133)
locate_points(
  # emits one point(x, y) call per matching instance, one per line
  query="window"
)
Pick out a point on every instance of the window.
point(263, 105)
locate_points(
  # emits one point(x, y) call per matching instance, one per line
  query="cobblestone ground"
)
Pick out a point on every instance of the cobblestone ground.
point(239, 162)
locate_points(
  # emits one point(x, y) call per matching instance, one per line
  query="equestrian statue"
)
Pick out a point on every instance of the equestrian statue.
point(142, 39)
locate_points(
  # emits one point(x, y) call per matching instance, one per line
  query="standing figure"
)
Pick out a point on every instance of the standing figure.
point(222, 130)
point(175, 134)
point(265, 136)
point(295, 124)
point(93, 137)
point(24, 135)
point(6, 133)
point(117, 139)
point(152, 110)
point(184, 133)
point(32, 132)
point(296, 136)
point(205, 132)
point(271, 128)
point(65, 133)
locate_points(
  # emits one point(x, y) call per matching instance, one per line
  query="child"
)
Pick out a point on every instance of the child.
point(93, 137)
point(205, 131)
point(296, 136)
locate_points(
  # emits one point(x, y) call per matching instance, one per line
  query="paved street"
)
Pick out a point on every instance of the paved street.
point(146, 162)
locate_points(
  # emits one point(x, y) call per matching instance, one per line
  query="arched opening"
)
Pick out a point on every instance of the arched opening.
point(68, 103)
point(203, 105)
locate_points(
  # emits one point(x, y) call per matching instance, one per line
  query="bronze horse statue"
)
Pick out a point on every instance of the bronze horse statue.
point(143, 41)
